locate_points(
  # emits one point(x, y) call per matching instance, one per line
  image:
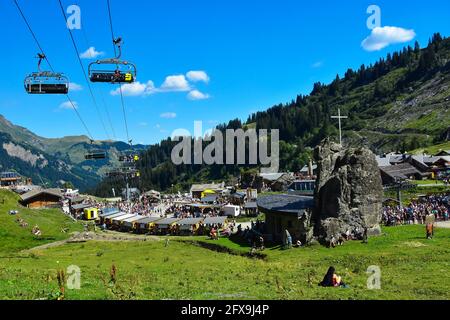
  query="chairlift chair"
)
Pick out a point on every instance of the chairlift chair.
point(46, 82)
point(95, 155)
point(115, 76)
point(124, 173)
point(113, 173)
point(129, 157)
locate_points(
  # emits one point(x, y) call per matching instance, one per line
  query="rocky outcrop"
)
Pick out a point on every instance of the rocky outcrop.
point(349, 192)
point(17, 151)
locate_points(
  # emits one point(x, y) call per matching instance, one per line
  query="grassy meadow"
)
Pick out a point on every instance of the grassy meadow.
point(14, 238)
point(193, 268)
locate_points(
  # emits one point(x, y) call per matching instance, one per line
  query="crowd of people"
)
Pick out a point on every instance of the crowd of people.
point(418, 210)
point(142, 205)
point(165, 207)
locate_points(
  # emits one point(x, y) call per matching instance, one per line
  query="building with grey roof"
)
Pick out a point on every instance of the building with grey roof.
point(286, 212)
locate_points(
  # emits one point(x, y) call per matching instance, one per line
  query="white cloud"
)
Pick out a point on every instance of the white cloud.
point(143, 124)
point(381, 37)
point(91, 53)
point(197, 95)
point(196, 76)
point(68, 105)
point(168, 115)
point(135, 89)
point(75, 86)
point(175, 83)
point(317, 64)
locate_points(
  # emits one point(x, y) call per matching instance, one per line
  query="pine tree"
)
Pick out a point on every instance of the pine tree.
point(428, 60)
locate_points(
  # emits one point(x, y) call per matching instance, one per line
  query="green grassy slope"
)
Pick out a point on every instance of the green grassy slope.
point(432, 149)
point(411, 268)
point(14, 238)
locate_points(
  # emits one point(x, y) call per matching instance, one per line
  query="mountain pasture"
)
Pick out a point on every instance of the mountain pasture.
point(196, 268)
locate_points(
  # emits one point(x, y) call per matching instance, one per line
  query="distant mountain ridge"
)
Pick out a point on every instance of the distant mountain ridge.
point(52, 160)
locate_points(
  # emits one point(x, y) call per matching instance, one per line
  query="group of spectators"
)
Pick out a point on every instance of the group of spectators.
point(163, 208)
point(141, 206)
point(444, 177)
point(416, 212)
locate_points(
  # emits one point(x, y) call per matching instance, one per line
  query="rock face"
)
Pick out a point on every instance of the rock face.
point(349, 192)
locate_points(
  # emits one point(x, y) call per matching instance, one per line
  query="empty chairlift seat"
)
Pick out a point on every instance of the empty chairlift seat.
point(46, 83)
point(95, 155)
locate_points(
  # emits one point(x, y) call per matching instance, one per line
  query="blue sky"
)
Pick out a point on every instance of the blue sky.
point(254, 53)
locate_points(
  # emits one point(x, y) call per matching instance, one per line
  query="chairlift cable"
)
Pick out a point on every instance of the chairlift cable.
point(33, 34)
point(48, 62)
point(121, 93)
point(102, 97)
point(125, 117)
point(120, 86)
point(83, 69)
point(101, 92)
point(79, 116)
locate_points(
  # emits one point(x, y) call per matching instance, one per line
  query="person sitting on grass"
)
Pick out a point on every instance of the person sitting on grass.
point(331, 279)
point(36, 231)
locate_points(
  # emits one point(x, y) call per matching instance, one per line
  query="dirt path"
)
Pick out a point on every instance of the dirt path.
point(108, 236)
